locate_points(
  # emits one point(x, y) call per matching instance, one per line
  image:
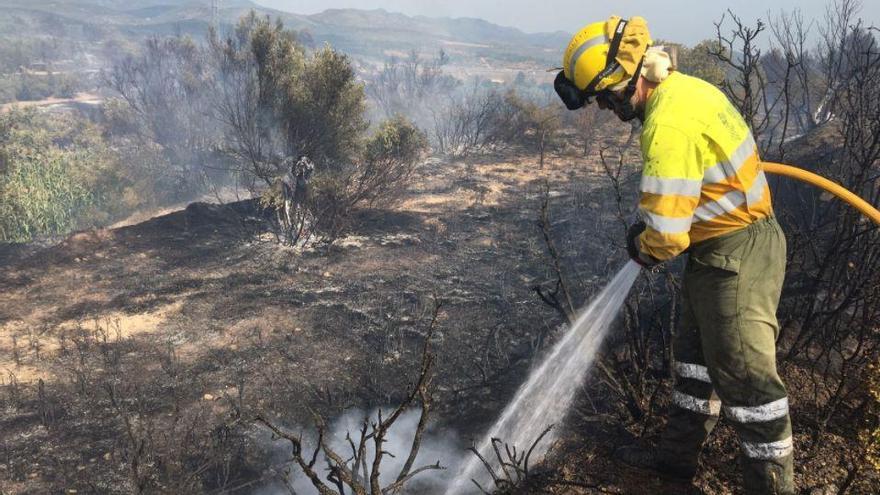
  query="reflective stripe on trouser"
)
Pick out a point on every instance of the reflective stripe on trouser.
point(728, 334)
point(694, 407)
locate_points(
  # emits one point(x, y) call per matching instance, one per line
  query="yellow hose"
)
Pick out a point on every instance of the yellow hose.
point(823, 183)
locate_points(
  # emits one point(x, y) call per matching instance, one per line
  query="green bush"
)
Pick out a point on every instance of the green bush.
point(390, 157)
point(56, 175)
point(279, 100)
point(8, 88)
point(32, 87)
point(40, 196)
point(698, 60)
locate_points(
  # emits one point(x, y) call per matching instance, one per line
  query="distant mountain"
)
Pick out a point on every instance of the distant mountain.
point(129, 17)
point(460, 29)
point(367, 34)
point(362, 31)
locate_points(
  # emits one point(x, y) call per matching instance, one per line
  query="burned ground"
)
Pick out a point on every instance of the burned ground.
point(209, 293)
point(135, 358)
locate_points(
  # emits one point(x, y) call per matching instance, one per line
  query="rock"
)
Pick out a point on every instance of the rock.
point(208, 397)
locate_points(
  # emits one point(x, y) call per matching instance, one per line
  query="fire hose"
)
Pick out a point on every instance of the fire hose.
point(823, 183)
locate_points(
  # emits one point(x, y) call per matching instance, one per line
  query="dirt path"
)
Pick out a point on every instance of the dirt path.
point(84, 98)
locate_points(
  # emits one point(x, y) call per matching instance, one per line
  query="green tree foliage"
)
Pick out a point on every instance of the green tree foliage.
point(390, 157)
point(279, 101)
point(327, 112)
point(397, 140)
point(698, 61)
point(256, 99)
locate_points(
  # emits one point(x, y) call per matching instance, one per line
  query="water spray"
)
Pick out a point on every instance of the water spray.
point(548, 392)
point(546, 395)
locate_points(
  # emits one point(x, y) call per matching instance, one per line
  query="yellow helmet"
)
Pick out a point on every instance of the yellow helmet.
point(605, 54)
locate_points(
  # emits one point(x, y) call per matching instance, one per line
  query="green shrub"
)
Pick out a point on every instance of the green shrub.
point(32, 87)
point(390, 157)
point(56, 174)
point(278, 101)
point(39, 194)
point(8, 88)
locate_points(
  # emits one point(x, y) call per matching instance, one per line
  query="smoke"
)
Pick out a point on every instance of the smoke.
point(437, 445)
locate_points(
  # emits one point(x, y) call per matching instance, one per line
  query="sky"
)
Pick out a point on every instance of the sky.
point(686, 21)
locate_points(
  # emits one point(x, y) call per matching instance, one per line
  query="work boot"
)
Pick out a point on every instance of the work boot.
point(642, 458)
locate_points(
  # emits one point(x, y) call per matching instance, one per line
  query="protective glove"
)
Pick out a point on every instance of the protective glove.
point(632, 246)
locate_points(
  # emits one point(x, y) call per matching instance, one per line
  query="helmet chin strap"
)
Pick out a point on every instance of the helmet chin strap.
point(610, 60)
point(634, 80)
point(626, 111)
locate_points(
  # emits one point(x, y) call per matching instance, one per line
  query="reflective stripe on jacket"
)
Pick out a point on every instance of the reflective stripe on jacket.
point(701, 175)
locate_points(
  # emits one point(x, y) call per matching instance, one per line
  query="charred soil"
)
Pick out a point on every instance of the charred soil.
point(134, 358)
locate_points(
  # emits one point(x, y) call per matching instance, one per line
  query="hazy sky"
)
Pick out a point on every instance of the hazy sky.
point(687, 21)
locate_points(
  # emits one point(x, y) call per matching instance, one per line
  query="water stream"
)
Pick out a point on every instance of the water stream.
point(544, 398)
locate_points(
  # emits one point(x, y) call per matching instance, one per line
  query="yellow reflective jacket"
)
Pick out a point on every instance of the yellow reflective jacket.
point(701, 176)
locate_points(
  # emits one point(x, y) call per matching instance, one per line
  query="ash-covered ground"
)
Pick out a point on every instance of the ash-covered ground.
point(134, 359)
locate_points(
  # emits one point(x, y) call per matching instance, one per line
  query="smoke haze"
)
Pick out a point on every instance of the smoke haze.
point(437, 445)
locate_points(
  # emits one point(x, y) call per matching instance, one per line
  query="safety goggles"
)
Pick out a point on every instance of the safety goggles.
point(575, 98)
point(572, 96)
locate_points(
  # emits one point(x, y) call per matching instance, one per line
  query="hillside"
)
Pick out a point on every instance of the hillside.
point(189, 324)
point(355, 31)
point(370, 34)
point(168, 326)
point(236, 312)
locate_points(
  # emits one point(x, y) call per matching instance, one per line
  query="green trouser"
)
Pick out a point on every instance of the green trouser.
point(725, 357)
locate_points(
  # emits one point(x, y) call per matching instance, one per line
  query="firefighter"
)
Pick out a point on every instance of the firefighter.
point(703, 192)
